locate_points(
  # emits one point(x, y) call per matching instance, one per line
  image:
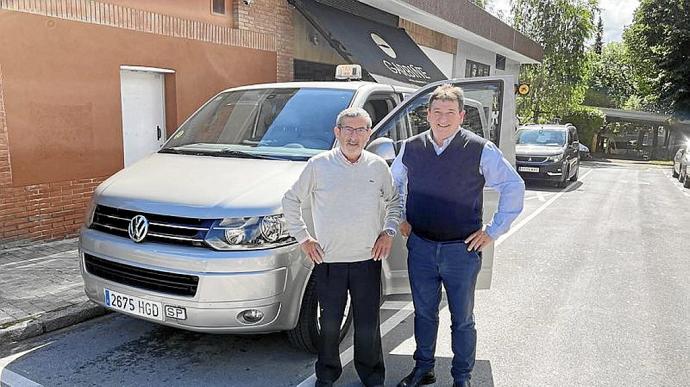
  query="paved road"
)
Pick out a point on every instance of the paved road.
point(590, 288)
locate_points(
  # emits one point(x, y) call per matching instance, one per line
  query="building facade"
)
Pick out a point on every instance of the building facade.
point(88, 87)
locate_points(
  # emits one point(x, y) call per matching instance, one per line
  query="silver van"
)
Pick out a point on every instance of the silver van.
point(193, 236)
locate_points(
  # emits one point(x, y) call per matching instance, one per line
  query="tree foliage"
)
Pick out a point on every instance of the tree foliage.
point(587, 120)
point(659, 44)
point(599, 39)
point(611, 78)
point(562, 28)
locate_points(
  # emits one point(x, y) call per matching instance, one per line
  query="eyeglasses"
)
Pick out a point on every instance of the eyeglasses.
point(350, 130)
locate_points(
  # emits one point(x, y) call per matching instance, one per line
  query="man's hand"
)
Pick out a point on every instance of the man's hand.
point(382, 247)
point(313, 250)
point(405, 228)
point(478, 240)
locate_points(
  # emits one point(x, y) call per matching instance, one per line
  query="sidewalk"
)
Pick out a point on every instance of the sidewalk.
point(41, 290)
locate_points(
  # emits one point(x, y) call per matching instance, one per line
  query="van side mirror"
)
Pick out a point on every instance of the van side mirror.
point(383, 147)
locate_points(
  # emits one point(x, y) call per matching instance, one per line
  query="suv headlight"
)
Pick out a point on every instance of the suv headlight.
point(555, 158)
point(261, 232)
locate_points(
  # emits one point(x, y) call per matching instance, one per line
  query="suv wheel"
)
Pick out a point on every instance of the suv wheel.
point(305, 335)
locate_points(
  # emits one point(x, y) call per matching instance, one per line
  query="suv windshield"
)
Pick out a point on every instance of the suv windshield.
point(294, 123)
point(550, 137)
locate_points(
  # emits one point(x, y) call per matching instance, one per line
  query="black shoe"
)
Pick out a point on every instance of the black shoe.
point(418, 378)
point(464, 383)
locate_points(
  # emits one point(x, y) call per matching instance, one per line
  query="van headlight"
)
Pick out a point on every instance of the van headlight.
point(90, 212)
point(261, 232)
point(555, 158)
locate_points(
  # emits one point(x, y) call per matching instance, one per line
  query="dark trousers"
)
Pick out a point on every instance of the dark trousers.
point(363, 281)
point(430, 265)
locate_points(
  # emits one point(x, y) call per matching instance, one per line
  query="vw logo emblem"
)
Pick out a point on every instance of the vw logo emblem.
point(383, 45)
point(530, 159)
point(138, 228)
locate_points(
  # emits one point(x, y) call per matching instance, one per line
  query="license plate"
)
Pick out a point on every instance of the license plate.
point(133, 305)
point(528, 169)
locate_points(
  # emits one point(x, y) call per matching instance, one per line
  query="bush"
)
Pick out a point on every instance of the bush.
point(588, 121)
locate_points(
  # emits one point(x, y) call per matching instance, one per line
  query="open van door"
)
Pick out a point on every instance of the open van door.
point(490, 113)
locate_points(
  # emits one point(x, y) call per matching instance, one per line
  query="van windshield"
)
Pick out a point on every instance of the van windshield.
point(547, 137)
point(281, 123)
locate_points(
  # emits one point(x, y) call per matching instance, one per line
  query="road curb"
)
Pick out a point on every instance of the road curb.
point(50, 321)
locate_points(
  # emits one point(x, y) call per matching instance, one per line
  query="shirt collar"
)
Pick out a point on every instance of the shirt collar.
point(446, 141)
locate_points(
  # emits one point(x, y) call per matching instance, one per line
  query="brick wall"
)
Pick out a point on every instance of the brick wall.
point(274, 18)
point(55, 210)
point(426, 37)
point(37, 212)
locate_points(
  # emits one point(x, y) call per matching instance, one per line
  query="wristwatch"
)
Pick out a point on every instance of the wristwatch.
point(390, 232)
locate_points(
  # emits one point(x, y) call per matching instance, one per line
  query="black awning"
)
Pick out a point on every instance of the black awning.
point(383, 51)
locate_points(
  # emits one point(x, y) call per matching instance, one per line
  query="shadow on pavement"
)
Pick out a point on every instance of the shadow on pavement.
point(550, 187)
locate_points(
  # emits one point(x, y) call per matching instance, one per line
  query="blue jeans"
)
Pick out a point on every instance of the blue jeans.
point(431, 264)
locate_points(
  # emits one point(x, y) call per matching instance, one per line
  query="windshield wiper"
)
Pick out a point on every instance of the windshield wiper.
point(183, 152)
point(244, 155)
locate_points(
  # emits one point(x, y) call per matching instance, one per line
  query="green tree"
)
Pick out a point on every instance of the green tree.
point(659, 44)
point(611, 77)
point(599, 39)
point(562, 28)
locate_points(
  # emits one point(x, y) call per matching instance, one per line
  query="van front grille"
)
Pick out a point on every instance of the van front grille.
point(534, 159)
point(159, 281)
point(162, 228)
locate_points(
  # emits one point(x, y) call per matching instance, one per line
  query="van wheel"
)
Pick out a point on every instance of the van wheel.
point(305, 335)
point(577, 172)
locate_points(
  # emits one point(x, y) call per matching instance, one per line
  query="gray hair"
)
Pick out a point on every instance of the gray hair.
point(353, 112)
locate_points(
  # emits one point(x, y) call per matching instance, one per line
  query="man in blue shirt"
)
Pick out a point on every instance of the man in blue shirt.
point(440, 175)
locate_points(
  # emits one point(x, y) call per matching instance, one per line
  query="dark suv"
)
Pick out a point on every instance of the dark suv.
point(548, 153)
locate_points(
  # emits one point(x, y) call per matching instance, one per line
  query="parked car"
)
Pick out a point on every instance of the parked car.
point(584, 152)
point(193, 236)
point(548, 153)
point(679, 156)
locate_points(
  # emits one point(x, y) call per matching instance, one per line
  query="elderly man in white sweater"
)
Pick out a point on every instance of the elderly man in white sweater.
point(349, 189)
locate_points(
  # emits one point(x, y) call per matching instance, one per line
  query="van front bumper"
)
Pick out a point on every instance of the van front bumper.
point(543, 171)
point(229, 282)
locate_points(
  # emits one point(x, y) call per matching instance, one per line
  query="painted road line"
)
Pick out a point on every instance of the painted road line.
point(13, 379)
point(348, 355)
point(531, 216)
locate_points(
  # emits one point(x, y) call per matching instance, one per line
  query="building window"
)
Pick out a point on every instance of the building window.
point(218, 6)
point(476, 69)
point(500, 62)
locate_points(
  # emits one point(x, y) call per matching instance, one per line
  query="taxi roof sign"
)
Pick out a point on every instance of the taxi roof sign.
point(348, 71)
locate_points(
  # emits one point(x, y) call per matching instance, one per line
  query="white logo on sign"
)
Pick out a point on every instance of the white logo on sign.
point(383, 45)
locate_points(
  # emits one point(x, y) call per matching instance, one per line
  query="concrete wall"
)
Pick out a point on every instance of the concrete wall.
point(467, 51)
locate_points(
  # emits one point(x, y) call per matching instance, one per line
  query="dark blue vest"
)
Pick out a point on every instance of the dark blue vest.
point(444, 192)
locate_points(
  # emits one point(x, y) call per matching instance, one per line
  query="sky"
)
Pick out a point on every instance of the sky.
point(615, 14)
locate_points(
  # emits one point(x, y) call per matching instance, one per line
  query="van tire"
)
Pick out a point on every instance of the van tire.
point(305, 336)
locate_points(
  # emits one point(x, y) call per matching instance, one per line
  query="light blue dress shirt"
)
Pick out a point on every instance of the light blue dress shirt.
point(498, 174)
